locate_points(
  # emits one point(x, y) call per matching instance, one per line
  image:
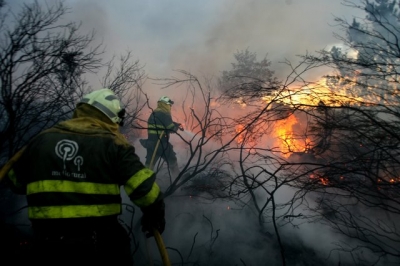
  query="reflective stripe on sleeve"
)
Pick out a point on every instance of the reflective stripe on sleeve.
point(160, 127)
point(172, 125)
point(73, 211)
point(71, 186)
point(149, 198)
point(137, 179)
point(155, 132)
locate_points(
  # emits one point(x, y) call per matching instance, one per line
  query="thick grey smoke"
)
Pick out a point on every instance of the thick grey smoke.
point(202, 36)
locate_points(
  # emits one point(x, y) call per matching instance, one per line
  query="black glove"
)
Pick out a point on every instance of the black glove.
point(153, 218)
point(178, 126)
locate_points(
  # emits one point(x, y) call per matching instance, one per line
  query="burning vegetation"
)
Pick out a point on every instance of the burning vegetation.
point(329, 147)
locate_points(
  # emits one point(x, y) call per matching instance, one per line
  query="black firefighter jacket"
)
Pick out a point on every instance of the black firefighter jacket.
point(160, 124)
point(76, 169)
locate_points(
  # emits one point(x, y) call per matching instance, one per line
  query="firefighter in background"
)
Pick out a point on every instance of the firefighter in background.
point(160, 126)
point(72, 174)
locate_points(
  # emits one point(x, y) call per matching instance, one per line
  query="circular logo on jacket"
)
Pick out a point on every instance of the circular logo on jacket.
point(66, 149)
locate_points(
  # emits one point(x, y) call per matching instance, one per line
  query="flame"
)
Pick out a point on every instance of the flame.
point(335, 91)
point(321, 91)
point(392, 180)
point(251, 140)
point(240, 137)
point(312, 95)
point(321, 179)
point(289, 141)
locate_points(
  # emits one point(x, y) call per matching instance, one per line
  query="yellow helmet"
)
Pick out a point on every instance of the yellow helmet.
point(107, 102)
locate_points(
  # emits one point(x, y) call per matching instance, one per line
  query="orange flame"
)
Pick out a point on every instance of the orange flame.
point(322, 180)
point(290, 141)
point(239, 138)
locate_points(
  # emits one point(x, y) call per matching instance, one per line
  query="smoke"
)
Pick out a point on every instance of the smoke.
point(201, 37)
point(222, 232)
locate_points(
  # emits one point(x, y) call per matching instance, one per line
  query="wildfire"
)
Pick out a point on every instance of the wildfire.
point(290, 133)
point(240, 137)
point(290, 141)
point(323, 180)
point(321, 90)
point(287, 140)
point(251, 140)
point(391, 180)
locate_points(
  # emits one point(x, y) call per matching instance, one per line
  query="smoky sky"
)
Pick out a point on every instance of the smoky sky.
point(202, 36)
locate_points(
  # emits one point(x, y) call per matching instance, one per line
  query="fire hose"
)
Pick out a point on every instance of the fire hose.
point(157, 235)
point(180, 127)
point(4, 170)
point(155, 150)
point(161, 248)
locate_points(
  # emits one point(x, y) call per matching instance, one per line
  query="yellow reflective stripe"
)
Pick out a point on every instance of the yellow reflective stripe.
point(137, 179)
point(171, 126)
point(156, 126)
point(149, 198)
point(154, 132)
point(71, 186)
point(160, 127)
point(73, 211)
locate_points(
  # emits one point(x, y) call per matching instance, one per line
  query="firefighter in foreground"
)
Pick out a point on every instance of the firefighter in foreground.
point(72, 174)
point(160, 126)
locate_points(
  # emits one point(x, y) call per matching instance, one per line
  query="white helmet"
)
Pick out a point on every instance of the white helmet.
point(107, 102)
point(165, 99)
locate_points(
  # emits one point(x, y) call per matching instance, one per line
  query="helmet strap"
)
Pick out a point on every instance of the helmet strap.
point(121, 114)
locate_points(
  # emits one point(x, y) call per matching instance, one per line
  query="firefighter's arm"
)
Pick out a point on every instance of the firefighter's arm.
point(170, 125)
point(178, 126)
point(143, 191)
point(154, 217)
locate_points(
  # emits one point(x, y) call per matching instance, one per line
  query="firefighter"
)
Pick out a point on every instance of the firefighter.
point(160, 126)
point(72, 174)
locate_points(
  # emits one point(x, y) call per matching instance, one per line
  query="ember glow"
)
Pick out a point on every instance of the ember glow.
point(391, 180)
point(288, 140)
point(322, 180)
point(240, 137)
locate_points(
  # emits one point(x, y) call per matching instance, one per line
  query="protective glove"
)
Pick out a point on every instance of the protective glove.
point(153, 218)
point(178, 126)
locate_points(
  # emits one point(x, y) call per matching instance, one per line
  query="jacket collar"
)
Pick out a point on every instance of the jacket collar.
point(87, 119)
point(163, 107)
